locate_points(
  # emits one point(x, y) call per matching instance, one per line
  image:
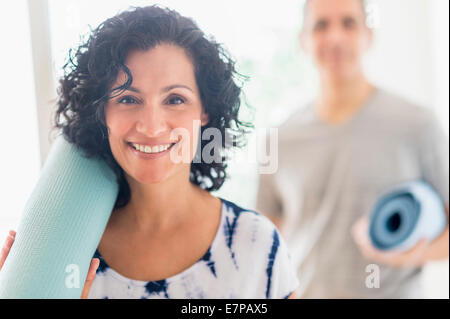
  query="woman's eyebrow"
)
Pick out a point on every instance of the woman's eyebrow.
point(166, 89)
point(175, 86)
point(133, 89)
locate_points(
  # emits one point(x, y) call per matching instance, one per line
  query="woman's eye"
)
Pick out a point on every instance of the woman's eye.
point(127, 100)
point(176, 100)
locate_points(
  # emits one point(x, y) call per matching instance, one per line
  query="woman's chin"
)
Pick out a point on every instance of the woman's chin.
point(150, 176)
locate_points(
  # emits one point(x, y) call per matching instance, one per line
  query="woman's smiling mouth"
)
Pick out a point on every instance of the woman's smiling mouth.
point(150, 152)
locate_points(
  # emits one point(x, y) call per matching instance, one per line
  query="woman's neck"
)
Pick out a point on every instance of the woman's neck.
point(161, 207)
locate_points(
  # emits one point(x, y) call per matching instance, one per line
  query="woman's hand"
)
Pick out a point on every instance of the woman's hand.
point(95, 262)
point(6, 248)
point(416, 256)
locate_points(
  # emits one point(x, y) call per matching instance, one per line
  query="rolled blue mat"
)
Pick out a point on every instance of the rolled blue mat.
point(405, 214)
point(61, 226)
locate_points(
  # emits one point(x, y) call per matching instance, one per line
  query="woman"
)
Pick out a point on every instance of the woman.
point(141, 77)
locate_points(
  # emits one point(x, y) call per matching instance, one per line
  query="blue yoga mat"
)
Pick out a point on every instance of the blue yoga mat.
point(405, 214)
point(61, 226)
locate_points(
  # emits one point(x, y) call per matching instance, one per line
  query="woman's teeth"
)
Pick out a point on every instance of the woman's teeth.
point(152, 149)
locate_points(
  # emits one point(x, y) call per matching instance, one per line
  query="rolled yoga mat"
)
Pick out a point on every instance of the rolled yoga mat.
point(61, 226)
point(405, 214)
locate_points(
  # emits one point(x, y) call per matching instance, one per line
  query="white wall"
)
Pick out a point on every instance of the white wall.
point(19, 139)
point(439, 35)
point(410, 53)
point(401, 57)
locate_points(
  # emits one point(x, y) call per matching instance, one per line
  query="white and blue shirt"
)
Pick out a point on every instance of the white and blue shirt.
point(247, 259)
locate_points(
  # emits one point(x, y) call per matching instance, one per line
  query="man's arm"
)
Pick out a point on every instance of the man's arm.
point(438, 248)
point(268, 201)
point(433, 155)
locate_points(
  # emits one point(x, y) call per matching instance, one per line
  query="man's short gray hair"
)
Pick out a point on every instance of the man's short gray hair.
point(306, 3)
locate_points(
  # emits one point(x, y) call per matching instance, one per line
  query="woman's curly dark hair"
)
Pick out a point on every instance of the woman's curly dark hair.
point(90, 72)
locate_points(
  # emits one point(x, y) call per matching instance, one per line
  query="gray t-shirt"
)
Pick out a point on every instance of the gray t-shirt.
point(330, 175)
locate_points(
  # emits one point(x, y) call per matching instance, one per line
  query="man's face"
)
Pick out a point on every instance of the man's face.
point(336, 35)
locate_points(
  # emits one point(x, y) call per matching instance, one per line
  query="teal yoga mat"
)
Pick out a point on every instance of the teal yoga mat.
point(405, 214)
point(61, 226)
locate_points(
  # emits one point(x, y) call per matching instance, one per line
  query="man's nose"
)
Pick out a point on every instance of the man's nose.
point(151, 121)
point(335, 35)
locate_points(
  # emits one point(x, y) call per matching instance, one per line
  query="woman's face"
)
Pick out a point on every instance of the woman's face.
point(163, 97)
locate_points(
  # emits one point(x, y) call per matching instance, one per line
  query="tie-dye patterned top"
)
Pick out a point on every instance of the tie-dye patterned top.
point(247, 259)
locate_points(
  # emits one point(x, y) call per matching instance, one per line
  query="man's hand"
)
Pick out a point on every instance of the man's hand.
point(416, 256)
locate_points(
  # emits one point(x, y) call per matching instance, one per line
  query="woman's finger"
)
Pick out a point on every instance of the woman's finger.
point(6, 248)
point(95, 262)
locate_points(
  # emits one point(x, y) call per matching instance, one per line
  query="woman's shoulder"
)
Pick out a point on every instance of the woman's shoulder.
point(248, 224)
point(234, 209)
point(255, 246)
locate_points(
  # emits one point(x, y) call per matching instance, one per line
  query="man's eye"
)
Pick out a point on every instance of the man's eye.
point(349, 23)
point(175, 100)
point(127, 100)
point(320, 26)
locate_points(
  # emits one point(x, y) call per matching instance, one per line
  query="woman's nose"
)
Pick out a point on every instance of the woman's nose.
point(151, 121)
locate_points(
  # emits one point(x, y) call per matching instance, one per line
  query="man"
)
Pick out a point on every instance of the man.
point(338, 154)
